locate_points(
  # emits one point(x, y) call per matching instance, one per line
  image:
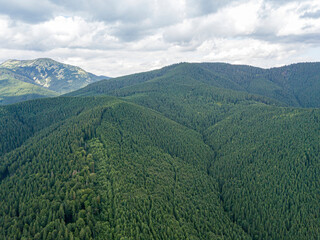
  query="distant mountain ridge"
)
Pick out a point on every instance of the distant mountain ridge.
point(53, 77)
point(294, 85)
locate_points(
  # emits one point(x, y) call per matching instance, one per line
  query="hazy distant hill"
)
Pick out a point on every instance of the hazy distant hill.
point(45, 74)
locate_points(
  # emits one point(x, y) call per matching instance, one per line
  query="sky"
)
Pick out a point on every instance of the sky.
point(120, 37)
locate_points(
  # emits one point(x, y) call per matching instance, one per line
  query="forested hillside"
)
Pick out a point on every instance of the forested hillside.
point(295, 85)
point(267, 166)
point(111, 170)
point(190, 151)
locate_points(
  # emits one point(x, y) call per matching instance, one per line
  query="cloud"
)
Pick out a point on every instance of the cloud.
point(28, 10)
point(196, 8)
point(234, 20)
point(259, 20)
point(120, 37)
point(312, 14)
point(59, 32)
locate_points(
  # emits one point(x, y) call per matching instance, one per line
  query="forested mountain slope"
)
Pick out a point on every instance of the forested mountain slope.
point(251, 136)
point(268, 166)
point(303, 80)
point(110, 171)
point(294, 85)
point(183, 152)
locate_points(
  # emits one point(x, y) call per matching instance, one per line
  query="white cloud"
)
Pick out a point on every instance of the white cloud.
point(60, 32)
point(236, 19)
point(125, 36)
point(246, 51)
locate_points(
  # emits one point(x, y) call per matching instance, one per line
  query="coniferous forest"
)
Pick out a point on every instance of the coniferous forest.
point(190, 151)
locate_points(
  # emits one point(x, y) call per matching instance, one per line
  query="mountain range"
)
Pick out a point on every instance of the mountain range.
point(43, 77)
point(189, 151)
point(295, 85)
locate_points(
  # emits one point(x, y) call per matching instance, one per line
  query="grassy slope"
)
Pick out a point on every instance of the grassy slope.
point(13, 90)
point(50, 74)
point(21, 80)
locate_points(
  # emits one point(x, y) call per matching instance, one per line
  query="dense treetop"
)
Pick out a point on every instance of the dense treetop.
point(190, 151)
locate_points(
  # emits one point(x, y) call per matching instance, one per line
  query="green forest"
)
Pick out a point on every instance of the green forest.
point(190, 151)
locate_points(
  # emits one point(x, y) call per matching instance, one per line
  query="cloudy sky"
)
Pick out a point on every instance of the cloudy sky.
point(118, 37)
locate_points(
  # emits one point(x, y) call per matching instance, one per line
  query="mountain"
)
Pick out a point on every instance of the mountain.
point(294, 85)
point(48, 78)
point(189, 151)
point(13, 90)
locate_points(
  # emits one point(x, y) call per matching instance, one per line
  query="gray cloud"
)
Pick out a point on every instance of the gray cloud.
point(140, 10)
point(309, 38)
point(31, 11)
point(119, 37)
point(132, 20)
point(315, 14)
point(202, 7)
point(109, 10)
point(132, 11)
point(281, 2)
